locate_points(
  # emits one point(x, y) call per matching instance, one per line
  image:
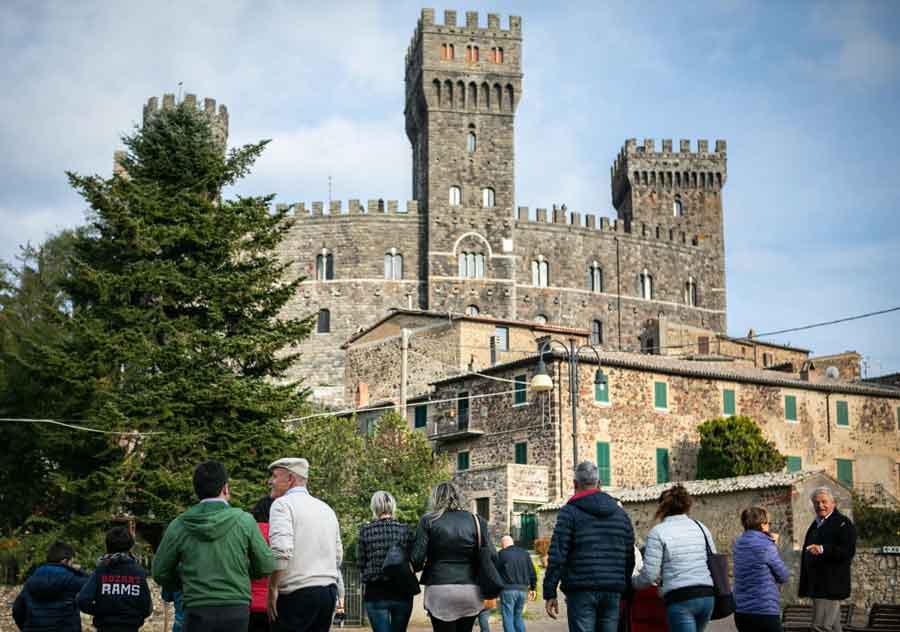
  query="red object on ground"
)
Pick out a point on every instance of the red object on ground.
point(648, 612)
point(259, 588)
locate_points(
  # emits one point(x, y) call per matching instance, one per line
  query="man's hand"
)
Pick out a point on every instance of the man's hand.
point(532, 595)
point(815, 549)
point(272, 601)
point(339, 607)
point(552, 607)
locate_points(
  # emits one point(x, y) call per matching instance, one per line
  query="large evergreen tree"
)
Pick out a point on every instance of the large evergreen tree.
point(174, 329)
point(735, 446)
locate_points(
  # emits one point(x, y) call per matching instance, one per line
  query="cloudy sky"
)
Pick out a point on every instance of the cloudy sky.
point(806, 94)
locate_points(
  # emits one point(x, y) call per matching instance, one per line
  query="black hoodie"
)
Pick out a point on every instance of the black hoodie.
point(117, 594)
point(592, 546)
point(47, 601)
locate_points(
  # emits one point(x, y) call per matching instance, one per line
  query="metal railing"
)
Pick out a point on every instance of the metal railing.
point(354, 610)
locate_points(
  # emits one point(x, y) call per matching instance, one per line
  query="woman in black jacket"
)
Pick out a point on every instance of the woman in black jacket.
point(446, 547)
point(388, 605)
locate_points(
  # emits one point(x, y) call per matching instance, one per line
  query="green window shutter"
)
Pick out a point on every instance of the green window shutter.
point(421, 416)
point(794, 464)
point(601, 392)
point(843, 413)
point(521, 389)
point(660, 395)
point(728, 402)
point(522, 453)
point(790, 407)
point(662, 465)
point(462, 461)
point(845, 471)
point(603, 462)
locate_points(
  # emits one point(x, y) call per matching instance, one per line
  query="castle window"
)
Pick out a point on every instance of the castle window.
point(596, 332)
point(677, 207)
point(471, 143)
point(445, 51)
point(474, 53)
point(645, 279)
point(595, 277)
point(393, 265)
point(540, 319)
point(471, 265)
point(451, 53)
point(437, 92)
point(498, 55)
point(323, 322)
point(324, 266)
point(540, 272)
point(472, 310)
point(487, 197)
point(455, 195)
point(690, 292)
point(471, 53)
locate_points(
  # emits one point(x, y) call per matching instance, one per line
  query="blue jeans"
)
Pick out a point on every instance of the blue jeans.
point(690, 615)
point(512, 603)
point(388, 615)
point(484, 620)
point(593, 611)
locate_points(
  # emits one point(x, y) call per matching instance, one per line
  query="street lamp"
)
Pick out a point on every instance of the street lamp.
point(542, 383)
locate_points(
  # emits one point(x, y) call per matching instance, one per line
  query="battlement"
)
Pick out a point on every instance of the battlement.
point(218, 119)
point(373, 207)
point(472, 28)
point(574, 220)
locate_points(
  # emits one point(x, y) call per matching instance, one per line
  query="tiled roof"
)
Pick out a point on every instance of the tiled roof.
point(703, 488)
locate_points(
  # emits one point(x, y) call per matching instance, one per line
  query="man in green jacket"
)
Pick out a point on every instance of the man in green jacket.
point(219, 548)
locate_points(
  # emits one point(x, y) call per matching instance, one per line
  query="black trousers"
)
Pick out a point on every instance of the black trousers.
point(757, 622)
point(216, 619)
point(306, 609)
point(460, 625)
point(259, 622)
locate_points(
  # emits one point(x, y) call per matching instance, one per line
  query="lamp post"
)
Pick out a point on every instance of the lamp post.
point(541, 382)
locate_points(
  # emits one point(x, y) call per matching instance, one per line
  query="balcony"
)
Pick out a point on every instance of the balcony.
point(453, 430)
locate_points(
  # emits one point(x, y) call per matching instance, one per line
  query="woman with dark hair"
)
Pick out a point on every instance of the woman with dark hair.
point(758, 570)
point(259, 588)
point(675, 559)
point(446, 546)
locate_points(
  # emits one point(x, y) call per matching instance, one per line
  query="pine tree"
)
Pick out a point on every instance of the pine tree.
point(176, 296)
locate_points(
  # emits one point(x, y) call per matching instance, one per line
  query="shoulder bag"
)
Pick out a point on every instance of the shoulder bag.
point(397, 568)
point(718, 569)
point(487, 577)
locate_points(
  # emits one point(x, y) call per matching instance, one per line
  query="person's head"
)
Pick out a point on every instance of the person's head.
point(506, 542)
point(210, 480)
point(261, 509)
point(445, 497)
point(119, 540)
point(60, 553)
point(382, 505)
point(674, 501)
point(823, 501)
point(287, 473)
point(587, 476)
point(755, 519)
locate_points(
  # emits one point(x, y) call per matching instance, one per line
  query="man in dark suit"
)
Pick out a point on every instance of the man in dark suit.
point(828, 549)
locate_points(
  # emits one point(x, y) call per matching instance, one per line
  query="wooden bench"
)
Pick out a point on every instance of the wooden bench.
point(798, 618)
point(882, 617)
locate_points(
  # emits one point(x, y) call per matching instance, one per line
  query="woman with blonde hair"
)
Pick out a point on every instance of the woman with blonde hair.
point(758, 569)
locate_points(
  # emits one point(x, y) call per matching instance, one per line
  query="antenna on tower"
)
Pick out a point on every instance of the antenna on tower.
point(178, 98)
point(329, 192)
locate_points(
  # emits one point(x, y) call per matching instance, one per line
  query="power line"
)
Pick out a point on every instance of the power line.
point(129, 433)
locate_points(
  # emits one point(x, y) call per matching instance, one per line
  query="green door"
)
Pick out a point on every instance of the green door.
point(527, 529)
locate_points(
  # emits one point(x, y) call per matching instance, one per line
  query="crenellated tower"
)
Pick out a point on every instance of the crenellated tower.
point(463, 83)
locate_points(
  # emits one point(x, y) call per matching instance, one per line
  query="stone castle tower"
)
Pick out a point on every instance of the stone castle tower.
point(462, 246)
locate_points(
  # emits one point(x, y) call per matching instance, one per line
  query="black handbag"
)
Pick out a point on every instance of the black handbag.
point(398, 569)
point(490, 583)
point(717, 564)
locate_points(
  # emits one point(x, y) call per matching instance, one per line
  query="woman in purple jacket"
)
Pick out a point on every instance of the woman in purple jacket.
point(758, 569)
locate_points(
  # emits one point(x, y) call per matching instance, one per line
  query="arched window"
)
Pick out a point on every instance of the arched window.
point(444, 51)
point(471, 265)
point(472, 310)
point(498, 55)
point(474, 53)
point(540, 319)
point(596, 332)
point(324, 266)
point(540, 272)
point(677, 207)
point(646, 284)
point(487, 197)
point(393, 265)
point(451, 52)
point(323, 322)
point(690, 292)
point(455, 195)
point(471, 143)
point(595, 277)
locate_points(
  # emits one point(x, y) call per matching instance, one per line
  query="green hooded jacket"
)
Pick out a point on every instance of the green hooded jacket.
point(219, 549)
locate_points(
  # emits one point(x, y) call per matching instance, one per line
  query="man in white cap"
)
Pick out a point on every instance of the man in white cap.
point(306, 540)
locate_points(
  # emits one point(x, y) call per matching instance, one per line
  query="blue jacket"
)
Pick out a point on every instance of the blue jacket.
point(757, 571)
point(117, 594)
point(47, 600)
point(592, 546)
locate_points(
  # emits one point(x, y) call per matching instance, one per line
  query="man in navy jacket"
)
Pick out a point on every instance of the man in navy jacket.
point(592, 554)
point(47, 601)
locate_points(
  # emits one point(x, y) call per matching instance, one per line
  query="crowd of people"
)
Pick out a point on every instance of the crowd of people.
point(279, 567)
